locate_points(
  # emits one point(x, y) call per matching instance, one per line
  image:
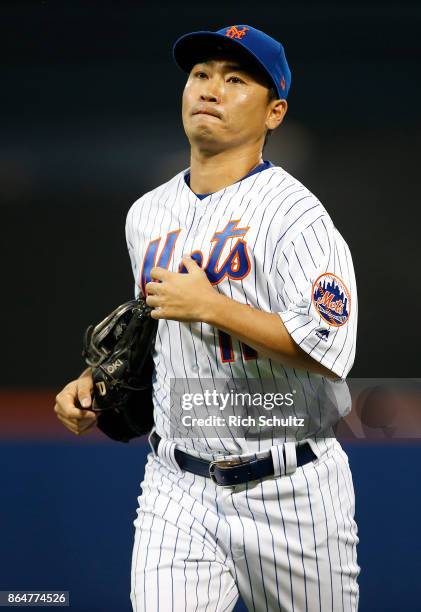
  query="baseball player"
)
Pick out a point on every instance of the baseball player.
point(250, 282)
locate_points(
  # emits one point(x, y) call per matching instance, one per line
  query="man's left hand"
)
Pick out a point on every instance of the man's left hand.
point(180, 296)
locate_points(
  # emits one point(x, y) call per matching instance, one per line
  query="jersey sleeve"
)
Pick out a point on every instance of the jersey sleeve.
point(316, 284)
point(131, 247)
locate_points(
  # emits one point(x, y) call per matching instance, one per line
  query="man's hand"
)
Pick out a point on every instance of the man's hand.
point(180, 297)
point(72, 405)
point(191, 297)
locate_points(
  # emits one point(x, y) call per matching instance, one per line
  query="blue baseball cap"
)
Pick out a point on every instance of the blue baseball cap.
point(265, 52)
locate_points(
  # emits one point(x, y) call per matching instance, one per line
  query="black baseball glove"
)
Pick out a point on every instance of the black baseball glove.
point(118, 350)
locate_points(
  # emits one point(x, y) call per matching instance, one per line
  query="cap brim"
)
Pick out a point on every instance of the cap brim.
point(195, 47)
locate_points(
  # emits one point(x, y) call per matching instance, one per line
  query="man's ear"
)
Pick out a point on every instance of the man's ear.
point(276, 114)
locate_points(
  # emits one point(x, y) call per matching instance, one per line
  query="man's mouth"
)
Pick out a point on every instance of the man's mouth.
point(205, 111)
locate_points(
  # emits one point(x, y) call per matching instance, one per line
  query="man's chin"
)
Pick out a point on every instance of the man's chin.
point(207, 134)
point(205, 137)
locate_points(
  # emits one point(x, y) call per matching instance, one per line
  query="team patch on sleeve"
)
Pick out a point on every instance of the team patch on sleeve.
point(331, 299)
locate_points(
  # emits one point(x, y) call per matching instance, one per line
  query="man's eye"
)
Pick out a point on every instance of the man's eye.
point(201, 75)
point(235, 79)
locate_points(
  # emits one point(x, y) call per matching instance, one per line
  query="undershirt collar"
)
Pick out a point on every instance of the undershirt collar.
point(265, 164)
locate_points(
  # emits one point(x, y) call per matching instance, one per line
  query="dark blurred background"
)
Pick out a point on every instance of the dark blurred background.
point(91, 120)
point(90, 102)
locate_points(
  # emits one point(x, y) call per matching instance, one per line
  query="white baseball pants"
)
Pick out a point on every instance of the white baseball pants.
point(284, 543)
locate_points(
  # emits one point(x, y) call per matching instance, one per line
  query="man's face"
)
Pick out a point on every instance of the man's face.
point(225, 105)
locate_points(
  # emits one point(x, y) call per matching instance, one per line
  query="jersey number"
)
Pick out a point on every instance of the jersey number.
point(227, 352)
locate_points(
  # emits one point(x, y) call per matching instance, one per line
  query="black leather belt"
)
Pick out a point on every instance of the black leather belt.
point(227, 472)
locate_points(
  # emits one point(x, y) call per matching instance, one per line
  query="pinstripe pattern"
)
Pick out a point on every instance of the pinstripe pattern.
point(291, 240)
point(287, 542)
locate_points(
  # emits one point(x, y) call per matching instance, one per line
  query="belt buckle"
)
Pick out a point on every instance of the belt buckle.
point(224, 463)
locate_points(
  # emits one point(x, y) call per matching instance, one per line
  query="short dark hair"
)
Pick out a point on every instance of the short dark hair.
point(272, 95)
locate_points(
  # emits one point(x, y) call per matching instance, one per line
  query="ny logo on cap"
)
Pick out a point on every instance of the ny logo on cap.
point(234, 32)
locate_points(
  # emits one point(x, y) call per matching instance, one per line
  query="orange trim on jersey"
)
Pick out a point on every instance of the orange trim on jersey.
point(229, 338)
point(226, 274)
point(217, 266)
point(244, 348)
point(156, 252)
point(197, 252)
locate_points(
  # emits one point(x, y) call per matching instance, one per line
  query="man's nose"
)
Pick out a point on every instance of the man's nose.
point(211, 92)
point(210, 97)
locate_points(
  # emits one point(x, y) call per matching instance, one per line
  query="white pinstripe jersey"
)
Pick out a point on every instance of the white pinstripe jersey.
point(266, 241)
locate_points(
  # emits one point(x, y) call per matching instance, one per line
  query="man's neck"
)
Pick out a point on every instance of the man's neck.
point(210, 173)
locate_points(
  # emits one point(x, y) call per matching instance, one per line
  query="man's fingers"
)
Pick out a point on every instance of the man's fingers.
point(158, 313)
point(66, 408)
point(84, 391)
point(191, 264)
point(86, 424)
point(160, 273)
point(65, 404)
point(78, 426)
point(153, 288)
point(153, 300)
